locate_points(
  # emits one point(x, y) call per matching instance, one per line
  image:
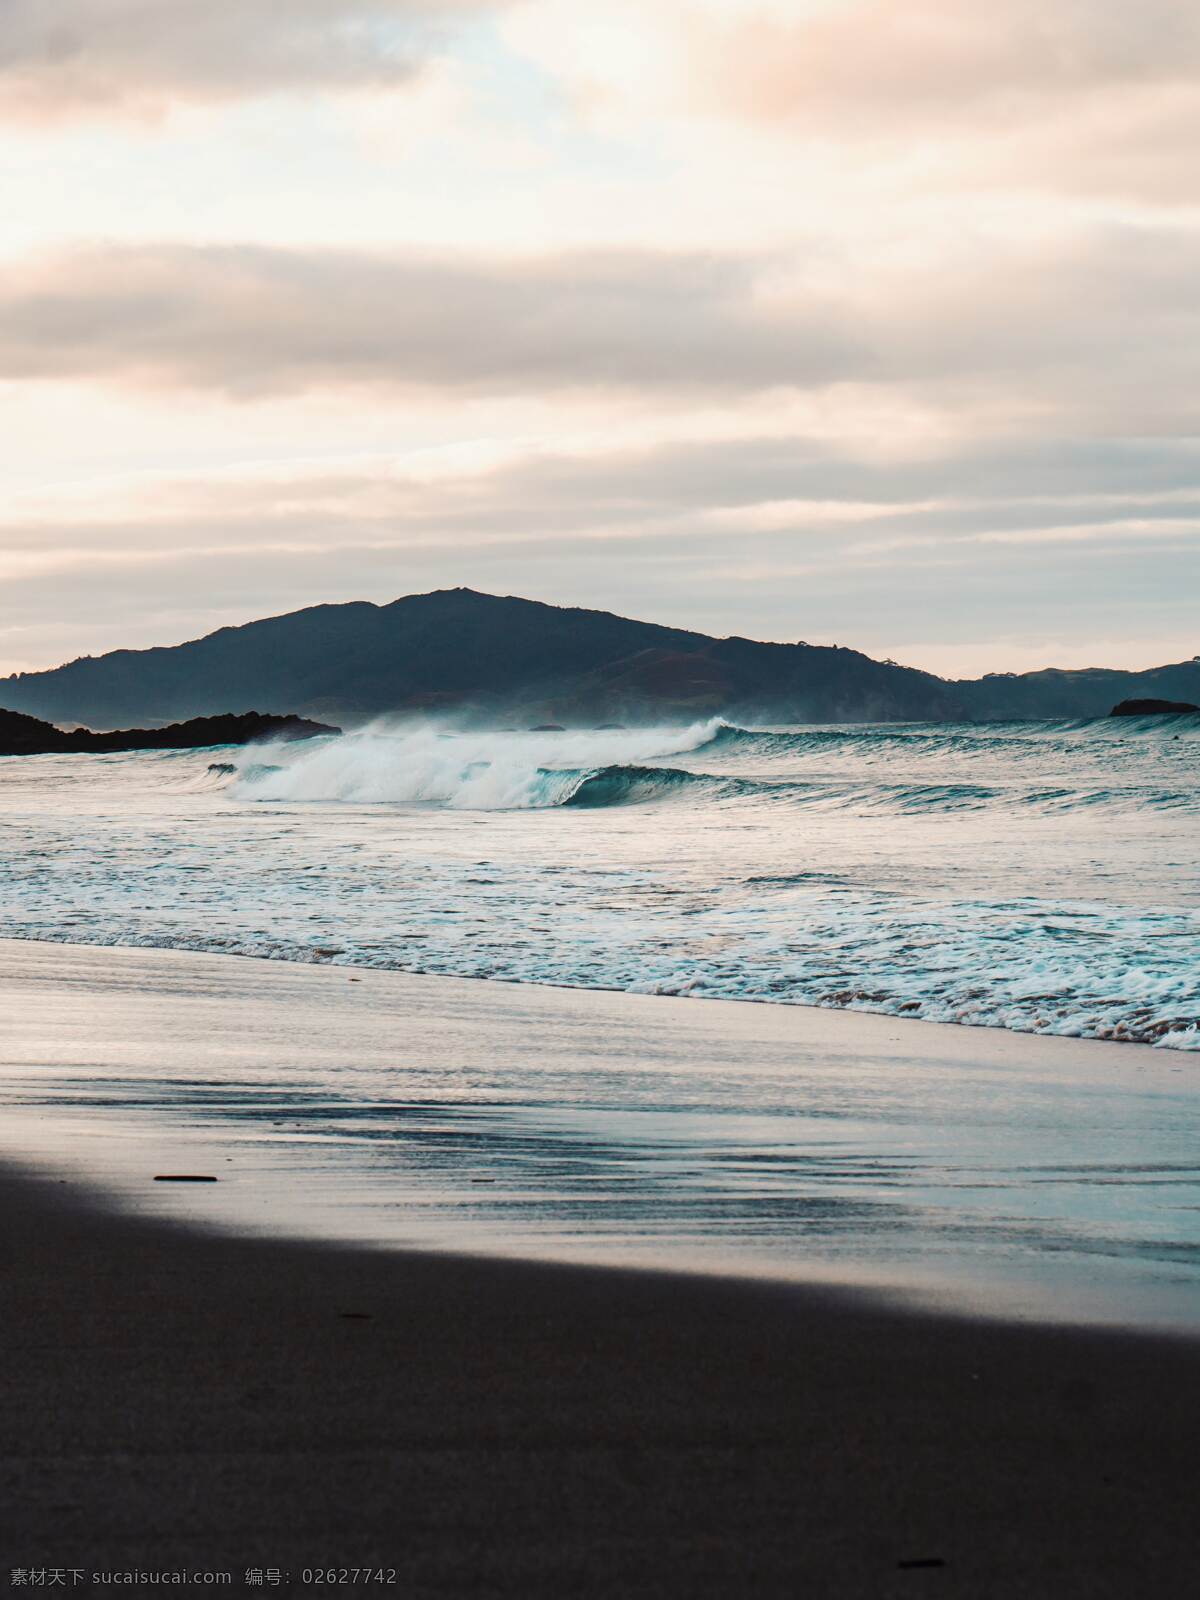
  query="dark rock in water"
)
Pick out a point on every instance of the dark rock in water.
point(548, 727)
point(26, 736)
point(1152, 708)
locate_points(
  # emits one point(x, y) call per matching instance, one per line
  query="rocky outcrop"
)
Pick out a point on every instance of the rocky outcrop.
point(1151, 708)
point(27, 736)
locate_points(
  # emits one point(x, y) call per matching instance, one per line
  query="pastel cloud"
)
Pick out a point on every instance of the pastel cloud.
point(836, 61)
point(1019, 332)
point(930, 60)
point(73, 57)
point(1076, 95)
point(255, 321)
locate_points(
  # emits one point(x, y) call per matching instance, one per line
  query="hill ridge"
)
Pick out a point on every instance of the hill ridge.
point(485, 658)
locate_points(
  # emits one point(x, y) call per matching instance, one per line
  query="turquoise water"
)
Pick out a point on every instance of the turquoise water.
point(1038, 877)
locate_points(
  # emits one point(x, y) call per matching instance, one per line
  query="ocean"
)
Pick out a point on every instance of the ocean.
point(1023, 879)
point(1038, 877)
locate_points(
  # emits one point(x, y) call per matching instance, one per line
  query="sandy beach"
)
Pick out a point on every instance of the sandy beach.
point(185, 1395)
point(173, 1399)
point(964, 1168)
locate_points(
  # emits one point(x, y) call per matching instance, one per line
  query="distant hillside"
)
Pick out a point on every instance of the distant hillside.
point(1090, 692)
point(487, 658)
point(476, 655)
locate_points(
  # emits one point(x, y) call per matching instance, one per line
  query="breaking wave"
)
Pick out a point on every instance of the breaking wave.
point(1036, 877)
point(1016, 767)
point(483, 771)
point(619, 786)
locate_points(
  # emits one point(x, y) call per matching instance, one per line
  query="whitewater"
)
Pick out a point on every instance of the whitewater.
point(1040, 877)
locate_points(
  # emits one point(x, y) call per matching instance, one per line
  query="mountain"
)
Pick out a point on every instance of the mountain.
point(1089, 692)
point(487, 658)
point(22, 735)
point(479, 656)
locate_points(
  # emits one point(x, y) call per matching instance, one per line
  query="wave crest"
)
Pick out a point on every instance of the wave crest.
point(486, 771)
point(1025, 767)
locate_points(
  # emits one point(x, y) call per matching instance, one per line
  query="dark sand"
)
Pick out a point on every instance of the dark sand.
point(177, 1398)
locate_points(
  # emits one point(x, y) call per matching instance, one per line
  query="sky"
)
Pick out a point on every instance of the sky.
point(870, 322)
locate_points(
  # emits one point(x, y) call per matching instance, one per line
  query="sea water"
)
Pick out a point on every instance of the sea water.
point(1040, 877)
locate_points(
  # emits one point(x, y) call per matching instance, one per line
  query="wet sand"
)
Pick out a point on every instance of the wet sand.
point(975, 1168)
point(182, 1395)
point(173, 1398)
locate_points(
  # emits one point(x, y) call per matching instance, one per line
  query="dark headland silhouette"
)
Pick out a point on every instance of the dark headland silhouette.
point(21, 735)
point(486, 659)
point(1152, 708)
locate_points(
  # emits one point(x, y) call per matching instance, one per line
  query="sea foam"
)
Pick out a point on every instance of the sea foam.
point(1036, 877)
point(475, 771)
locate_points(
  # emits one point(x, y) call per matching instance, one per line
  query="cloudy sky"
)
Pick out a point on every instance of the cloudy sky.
point(857, 321)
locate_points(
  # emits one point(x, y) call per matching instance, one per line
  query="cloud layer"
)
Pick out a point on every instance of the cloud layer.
point(929, 62)
point(1063, 95)
point(961, 562)
point(74, 57)
point(253, 320)
point(1025, 332)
